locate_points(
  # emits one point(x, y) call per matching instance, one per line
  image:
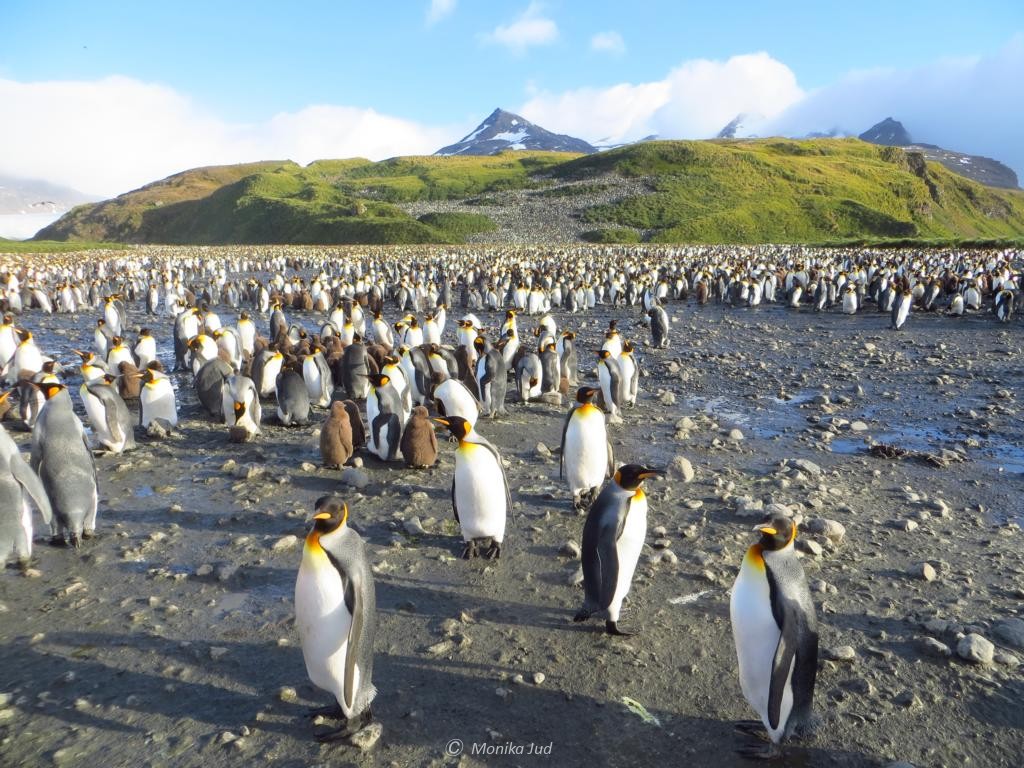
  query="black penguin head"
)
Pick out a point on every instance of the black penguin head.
point(630, 476)
point(458, 426)
point(239, 410)
point(51, 389)
point(379, 379)
point(479, 343)
point(331, 514)
point(585, 394)
point(777, 532)
point(604, 354)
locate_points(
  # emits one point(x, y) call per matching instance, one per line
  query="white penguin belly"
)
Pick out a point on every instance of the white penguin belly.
point(157, 401)
point(479, 493)
point(457, 401)
point(586, 450)
point(627, 548)
point(314, 384)
point(323, 622)
point(757, 636)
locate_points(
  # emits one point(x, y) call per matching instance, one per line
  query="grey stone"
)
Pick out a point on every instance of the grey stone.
point(414, 527)
point(1010, 632)
point(844, 653)
point(355, 478)
point(858, 426)
point(749, 507)
point(932, 647)
point(976, 649)
point(735, 435)
point(807, 466)
point(367, 738)
point(667, 398)
point(570, 549)
point(810, 546)
point(543, 451)
point(680, 466)
point(832, 530)
point(287, 694)
point(924, 571)
point(285, 543)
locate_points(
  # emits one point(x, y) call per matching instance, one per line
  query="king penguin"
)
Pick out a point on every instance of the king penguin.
point(156, 400)
point(613, 536)
point(336, 437)
point(109, 416)
point(586, 455)
point(384, 417)
point(480, 507)
point(292, 397)
point(419, 443)
point(776, 635)
point(64, 463)
point(18, 484)
point(336, 617)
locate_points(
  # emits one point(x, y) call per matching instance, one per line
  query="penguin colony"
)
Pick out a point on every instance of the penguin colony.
point(371, 371)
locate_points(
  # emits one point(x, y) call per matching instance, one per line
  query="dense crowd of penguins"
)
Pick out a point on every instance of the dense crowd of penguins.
point(380, 339)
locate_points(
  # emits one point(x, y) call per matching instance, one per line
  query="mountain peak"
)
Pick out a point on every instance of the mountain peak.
point(502, 131)
point(888, 132)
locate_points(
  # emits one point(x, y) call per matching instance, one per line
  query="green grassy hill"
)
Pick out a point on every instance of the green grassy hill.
point(766, 190)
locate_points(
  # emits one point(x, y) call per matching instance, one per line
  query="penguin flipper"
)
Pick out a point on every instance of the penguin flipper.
point(353, 588)
point(33, 486)
point(455, 506)
point(561, 450)
point(786, 659)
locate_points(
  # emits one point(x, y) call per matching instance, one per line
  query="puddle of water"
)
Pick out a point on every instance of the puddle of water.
point(724, 410)
point(144, 491)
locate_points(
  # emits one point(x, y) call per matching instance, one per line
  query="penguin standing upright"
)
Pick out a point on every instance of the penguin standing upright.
point(586, 455)
point(901, 309)
point(609, 374)
point(630, 373)
point(240, 405)
point(64, 463)
point(18, 484)
point(419, 443)
point(659, 326)
point(336, 437)
point(318, 378)
point(109, 416)
point(384, 416)
point(492, 382)
point(156, 400)
point(355, 420)
point(355, 366)
point(776, 635)
point(292, 398)
point(336, 617)
point(480, 507)
point(613, 536)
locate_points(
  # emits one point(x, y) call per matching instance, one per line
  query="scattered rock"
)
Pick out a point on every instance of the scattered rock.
point(810, 546)
point(749, 507)
point(414, 527)
point(976, 649)
point(830, 529)
point(287, 694)
point(538, 678)
point(858, 426)
point(285, 543)
point(543, 451)
point(680, 466)
point(570, 549)
point(667, 398)
point(159, 429)
point(218, 652)
point(804, 465)
point(307, 466)
point(1010, 632)
point(735, 435)
point(924, 571)
point(844, 653)
point(932, 647)
point(904, 525)
point(367, 738)
point(356, 478)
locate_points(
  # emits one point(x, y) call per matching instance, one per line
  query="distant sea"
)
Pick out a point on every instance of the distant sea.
point(22, 226)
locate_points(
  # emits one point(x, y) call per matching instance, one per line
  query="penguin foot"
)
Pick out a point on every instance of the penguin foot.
point(331, 711)
point(770, 751)
point(612, 628)
point(89, 534)
point(493, 552)
point(76, 541)
point(469, 551)
point(348, 729)
point(581, 616)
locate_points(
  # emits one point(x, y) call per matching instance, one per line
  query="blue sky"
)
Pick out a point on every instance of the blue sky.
point(311, 79)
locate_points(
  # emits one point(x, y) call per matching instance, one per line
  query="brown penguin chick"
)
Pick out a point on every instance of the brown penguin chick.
point(355, 420)
point(129, 382)
point(377, 353)
point(336, 437)
point(419, 443)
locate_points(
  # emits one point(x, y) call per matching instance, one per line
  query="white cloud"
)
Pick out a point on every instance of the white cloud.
point(694, 100)
point(439, 9)
point(109, 136)
point(608, 42)
point(968, 104)
point(531, 28)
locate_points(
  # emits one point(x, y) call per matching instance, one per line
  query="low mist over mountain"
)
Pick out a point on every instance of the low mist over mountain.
point(889, 132)
point(503, 130)
point(35, 196)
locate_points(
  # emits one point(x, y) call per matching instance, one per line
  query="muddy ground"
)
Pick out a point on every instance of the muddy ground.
point(168, 640)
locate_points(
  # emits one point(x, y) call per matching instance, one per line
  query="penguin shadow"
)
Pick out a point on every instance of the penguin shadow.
point(1000, 707)
point(461, 703)
point(434, 601)
point(233, 688)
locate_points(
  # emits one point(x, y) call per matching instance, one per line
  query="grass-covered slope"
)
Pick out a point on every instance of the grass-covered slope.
point(768, 190)
point(780, 190)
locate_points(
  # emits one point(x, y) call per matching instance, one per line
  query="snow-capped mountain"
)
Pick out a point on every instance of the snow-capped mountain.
point(503, 131)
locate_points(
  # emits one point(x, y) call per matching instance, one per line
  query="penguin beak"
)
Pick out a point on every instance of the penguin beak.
point(443, 422)
point(5, 395)
point(322, 516)
point(765, 529)
point(649, 473)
